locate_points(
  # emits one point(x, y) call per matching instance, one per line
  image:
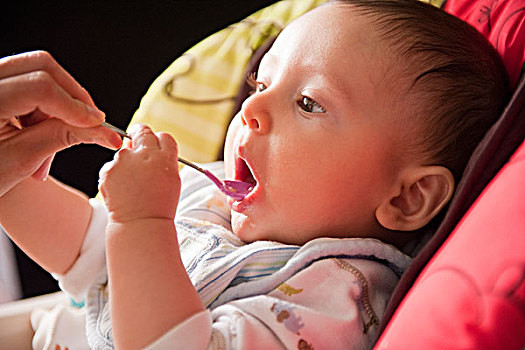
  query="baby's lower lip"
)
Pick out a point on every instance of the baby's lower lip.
point(236, 205)
point(242, 204)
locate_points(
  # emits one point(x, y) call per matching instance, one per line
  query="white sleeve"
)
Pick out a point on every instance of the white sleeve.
point(321, 307)
point(90, 266)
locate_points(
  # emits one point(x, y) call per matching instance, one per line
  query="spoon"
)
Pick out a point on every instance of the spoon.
point(235, 189)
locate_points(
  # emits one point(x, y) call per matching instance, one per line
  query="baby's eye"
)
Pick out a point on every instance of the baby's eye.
point(310, 106)
point(260, 87)
point(254, 84)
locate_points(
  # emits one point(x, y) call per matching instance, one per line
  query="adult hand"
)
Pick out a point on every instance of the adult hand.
point(42, 110)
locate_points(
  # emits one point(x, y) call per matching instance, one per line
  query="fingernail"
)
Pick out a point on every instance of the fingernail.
point(116, 141)
point(113, 142)
point(96, 113)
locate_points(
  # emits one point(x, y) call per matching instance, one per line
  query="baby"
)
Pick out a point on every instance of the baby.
point(363, 116)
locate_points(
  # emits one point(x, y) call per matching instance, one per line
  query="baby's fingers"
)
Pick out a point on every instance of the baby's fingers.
point(103, 175)
point(167, 142)
point(143, 137)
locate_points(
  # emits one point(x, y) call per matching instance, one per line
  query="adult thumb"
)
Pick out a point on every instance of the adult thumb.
point(36, 143)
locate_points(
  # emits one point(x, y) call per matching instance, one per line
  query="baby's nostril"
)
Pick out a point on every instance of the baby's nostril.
point(253, 124)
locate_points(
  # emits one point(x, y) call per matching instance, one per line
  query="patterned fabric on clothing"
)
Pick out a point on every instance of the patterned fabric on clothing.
point(245, 286)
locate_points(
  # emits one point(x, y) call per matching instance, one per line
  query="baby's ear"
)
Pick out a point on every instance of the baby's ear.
point(421, 194)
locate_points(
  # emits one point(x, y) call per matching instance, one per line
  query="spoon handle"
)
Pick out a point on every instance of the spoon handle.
point(194, 166)
point(208, 173)
point(184, 161)
point(115, 129)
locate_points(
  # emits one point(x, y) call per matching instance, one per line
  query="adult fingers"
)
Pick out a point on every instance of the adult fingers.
point(143, 137)
point(43, 61)
point(26, 151)
point(52, 135)
point(23, 94)
point(43, 171)
point(32, 118)
point(26, 121)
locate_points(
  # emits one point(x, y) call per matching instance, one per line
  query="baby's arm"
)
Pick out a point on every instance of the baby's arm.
point(150, 292)
point(48, 220)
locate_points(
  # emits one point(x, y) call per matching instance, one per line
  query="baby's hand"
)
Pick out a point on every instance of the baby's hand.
point(142, 181)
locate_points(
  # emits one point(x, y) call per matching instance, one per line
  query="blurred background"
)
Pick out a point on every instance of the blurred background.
point(115, 49)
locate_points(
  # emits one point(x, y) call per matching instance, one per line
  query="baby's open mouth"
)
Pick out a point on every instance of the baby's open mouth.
point(243, 173)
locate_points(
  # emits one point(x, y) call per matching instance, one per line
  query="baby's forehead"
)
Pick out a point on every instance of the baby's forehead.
point(331, 33)
point(337, 46)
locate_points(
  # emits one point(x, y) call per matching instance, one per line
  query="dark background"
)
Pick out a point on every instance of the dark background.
point(115, 49)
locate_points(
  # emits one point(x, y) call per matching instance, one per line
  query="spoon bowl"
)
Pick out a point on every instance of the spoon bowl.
point(232, 188)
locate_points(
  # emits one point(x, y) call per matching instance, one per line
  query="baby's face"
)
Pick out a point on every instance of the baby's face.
point(318, 136)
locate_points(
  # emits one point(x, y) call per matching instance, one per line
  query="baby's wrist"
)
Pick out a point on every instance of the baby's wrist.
point(136, 242)
point(143, 227)
point(140, 221)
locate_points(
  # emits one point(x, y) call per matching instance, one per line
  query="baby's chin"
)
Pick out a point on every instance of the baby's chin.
point(249, 231)
point(244, 228)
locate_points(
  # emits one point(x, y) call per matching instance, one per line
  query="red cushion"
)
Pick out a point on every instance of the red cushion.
point(502, 23)
point(471, 295)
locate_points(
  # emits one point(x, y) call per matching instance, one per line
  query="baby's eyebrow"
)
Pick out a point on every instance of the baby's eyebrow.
point(332, 84)
point(269, 59)
point(341, 86)
point(337, 85)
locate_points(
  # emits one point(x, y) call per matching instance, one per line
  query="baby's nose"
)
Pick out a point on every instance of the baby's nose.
point(255, 114)
point(252, 123)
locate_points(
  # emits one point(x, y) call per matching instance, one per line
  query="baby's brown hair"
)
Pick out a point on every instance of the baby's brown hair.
point(457, 83)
